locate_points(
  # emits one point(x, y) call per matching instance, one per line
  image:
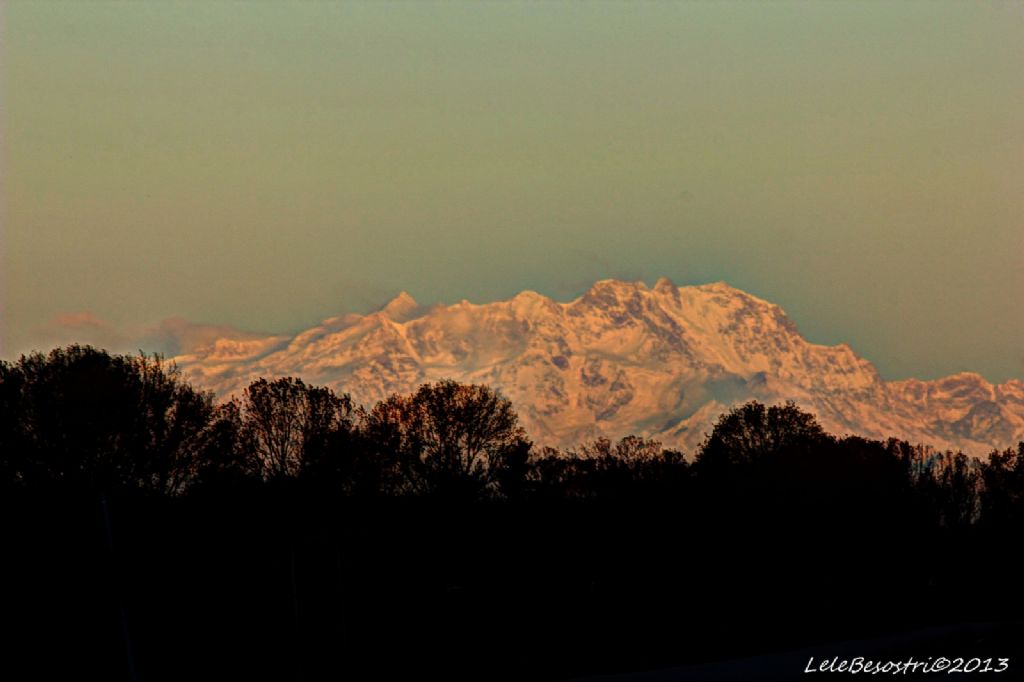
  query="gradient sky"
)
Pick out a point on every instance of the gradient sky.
point(267, 165)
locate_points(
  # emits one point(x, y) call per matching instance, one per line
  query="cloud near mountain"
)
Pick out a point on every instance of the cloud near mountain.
point(170, 337)
point(623, 358)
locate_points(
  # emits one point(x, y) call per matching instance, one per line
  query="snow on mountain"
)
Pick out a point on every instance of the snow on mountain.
point(622, 359)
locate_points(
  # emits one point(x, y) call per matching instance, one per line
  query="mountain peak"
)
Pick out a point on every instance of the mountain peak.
point(606, 291)
point(611, 296)
point(665, 286)
point(401, 308)
point(531, 298)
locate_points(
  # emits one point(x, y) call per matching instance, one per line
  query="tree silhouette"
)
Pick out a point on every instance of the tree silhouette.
point(753, 431)
point(286, 424)
point(953, 482)
point(1002, 498)
point(449, 438)
point(83, 418)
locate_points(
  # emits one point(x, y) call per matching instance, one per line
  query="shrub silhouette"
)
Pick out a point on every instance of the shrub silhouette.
point(631, 467)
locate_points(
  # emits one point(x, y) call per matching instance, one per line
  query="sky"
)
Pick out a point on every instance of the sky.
point(266, 165)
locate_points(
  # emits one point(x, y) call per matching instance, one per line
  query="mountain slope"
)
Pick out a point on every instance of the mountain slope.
point(623, 358)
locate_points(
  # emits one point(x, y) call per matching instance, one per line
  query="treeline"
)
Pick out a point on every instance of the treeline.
point(290, 534)
point(80, 420)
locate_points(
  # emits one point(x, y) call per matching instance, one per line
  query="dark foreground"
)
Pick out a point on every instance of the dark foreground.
point(275, 585)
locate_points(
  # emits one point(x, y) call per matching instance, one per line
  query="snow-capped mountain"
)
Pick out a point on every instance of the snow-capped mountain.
point(622, 359)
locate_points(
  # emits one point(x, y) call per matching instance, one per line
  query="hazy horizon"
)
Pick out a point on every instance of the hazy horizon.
point(266, 166)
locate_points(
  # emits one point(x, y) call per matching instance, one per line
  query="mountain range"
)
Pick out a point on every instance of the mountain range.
point(623, 358)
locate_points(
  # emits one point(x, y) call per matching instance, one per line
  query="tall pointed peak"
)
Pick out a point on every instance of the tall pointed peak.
point(403, 297)
point(401, 308)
